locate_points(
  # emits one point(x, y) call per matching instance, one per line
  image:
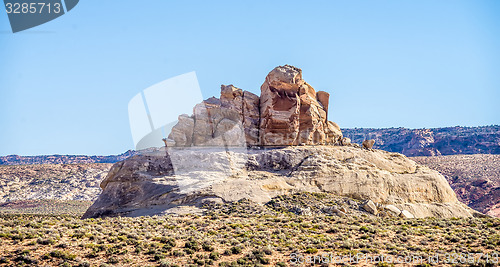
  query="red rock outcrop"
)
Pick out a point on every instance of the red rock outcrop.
point(288, 112)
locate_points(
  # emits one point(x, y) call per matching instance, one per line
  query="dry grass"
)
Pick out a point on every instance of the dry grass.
point(45, 207)
point(232, 235)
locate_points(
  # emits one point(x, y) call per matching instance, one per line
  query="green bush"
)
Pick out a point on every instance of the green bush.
point(192, 244)
point(61, 254)
point(214, 255)
point(236, 250)
point(311, 250)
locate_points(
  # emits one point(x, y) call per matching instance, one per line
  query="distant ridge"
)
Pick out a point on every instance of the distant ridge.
point(410, 142)
point(431, 142)
point(64, 159)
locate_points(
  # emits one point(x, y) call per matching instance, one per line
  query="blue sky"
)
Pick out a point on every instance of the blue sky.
point(65, 85)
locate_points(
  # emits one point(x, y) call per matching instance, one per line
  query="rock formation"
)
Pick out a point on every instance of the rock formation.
point(147, 185)
point(265, 160)
point(292, 113)
point(288, 112)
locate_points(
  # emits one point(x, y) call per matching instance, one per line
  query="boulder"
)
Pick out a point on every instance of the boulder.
point(368, 144)
point(370, 207)
point(333, 132)
point(393, 210)
point(406, 214)
point(345, 141)
point(231, 98)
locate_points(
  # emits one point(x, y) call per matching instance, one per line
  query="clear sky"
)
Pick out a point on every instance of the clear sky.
point(65, 85)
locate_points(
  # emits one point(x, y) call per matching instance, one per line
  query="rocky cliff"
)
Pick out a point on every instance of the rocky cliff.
point(241, 146)
point(431, 142)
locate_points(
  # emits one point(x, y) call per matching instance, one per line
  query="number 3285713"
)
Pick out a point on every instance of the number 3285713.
point(32, 8)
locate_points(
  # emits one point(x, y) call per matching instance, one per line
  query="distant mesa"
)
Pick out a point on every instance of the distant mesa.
point(64, 159)
point(431, 142)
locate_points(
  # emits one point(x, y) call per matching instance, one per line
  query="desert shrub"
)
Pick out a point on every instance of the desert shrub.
point(25, 258)
point(177, 253)
point(236, 250)
point(47, 241)
point(267, 251)
point(113, 260)
point(61, 254)
point(62, 245)
point(214, 255)
point(192, 244)
point(258, 256)
point(159, 256)
point(207, 247)
point(311, 250)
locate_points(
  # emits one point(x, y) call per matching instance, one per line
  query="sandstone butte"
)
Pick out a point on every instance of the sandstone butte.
point(242, 146)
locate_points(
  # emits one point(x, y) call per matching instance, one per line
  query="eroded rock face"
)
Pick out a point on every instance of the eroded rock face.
point(292, 113)
point(182, 132)
point(251, 117)
point(280, 107)
point(150, 184)
point(215, 122)
point(288, 112)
